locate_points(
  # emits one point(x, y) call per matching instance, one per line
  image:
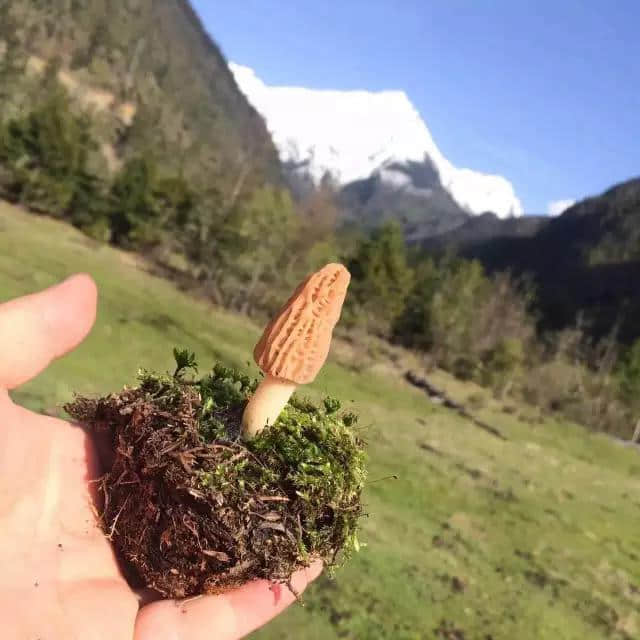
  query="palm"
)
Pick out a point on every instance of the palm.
point(59, 577)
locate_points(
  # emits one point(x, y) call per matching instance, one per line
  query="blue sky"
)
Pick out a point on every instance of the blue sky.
point(546, 93)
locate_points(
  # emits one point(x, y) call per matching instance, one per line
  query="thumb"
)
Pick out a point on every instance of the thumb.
point(36, 329)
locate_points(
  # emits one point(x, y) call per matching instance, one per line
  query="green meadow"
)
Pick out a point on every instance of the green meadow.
point(536, 536)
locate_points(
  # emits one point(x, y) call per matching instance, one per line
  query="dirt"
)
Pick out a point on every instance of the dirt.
point(192, 514)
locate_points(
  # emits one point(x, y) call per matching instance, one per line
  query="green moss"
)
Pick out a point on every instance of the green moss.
point(322, 459)
point(309, 468)
point(312, 449)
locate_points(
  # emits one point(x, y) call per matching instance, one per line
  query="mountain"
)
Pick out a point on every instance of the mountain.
point(375, 142)
point(153, 79)
point(409, 192)
point(585, 260)
point(477, 231)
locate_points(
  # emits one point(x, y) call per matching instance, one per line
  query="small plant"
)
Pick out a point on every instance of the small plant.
point(184, 360)
point(477, 401)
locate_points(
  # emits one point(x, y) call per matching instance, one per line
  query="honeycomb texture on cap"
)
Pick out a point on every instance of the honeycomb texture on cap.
point(295, 344)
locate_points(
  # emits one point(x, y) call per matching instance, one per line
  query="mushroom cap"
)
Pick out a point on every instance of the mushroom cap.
point(295, 344)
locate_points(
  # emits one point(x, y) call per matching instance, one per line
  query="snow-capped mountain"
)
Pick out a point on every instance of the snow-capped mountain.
point(353, 135)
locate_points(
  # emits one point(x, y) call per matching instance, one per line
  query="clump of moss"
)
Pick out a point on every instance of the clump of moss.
point(193, 509)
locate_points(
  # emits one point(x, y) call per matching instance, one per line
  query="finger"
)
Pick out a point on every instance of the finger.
point(228, 616)
point(36, 329)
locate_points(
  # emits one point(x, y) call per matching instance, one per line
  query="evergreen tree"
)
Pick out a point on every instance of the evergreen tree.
point(44, 155)
point(382, 279)
point(413, 327)
point(133, 213)
point(257, 239)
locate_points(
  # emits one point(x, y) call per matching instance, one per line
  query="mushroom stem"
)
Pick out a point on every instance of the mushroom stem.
point(265, 405)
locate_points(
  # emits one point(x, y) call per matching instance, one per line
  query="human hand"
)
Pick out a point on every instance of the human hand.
point(59, 578)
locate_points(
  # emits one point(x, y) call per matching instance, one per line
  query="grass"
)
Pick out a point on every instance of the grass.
point(534, 537)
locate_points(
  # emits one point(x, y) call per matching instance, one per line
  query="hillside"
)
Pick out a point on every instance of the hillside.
point(482, 229)
point(152, 78)
point(587, 259)
point(534, 537)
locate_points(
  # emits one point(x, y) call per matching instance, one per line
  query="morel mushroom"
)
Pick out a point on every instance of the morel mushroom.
point(295, 344)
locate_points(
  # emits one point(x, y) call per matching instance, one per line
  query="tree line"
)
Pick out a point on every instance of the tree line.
point(246, 251)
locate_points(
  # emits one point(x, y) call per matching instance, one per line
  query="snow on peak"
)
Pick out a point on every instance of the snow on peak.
point(557, 207)
point(352, 134)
